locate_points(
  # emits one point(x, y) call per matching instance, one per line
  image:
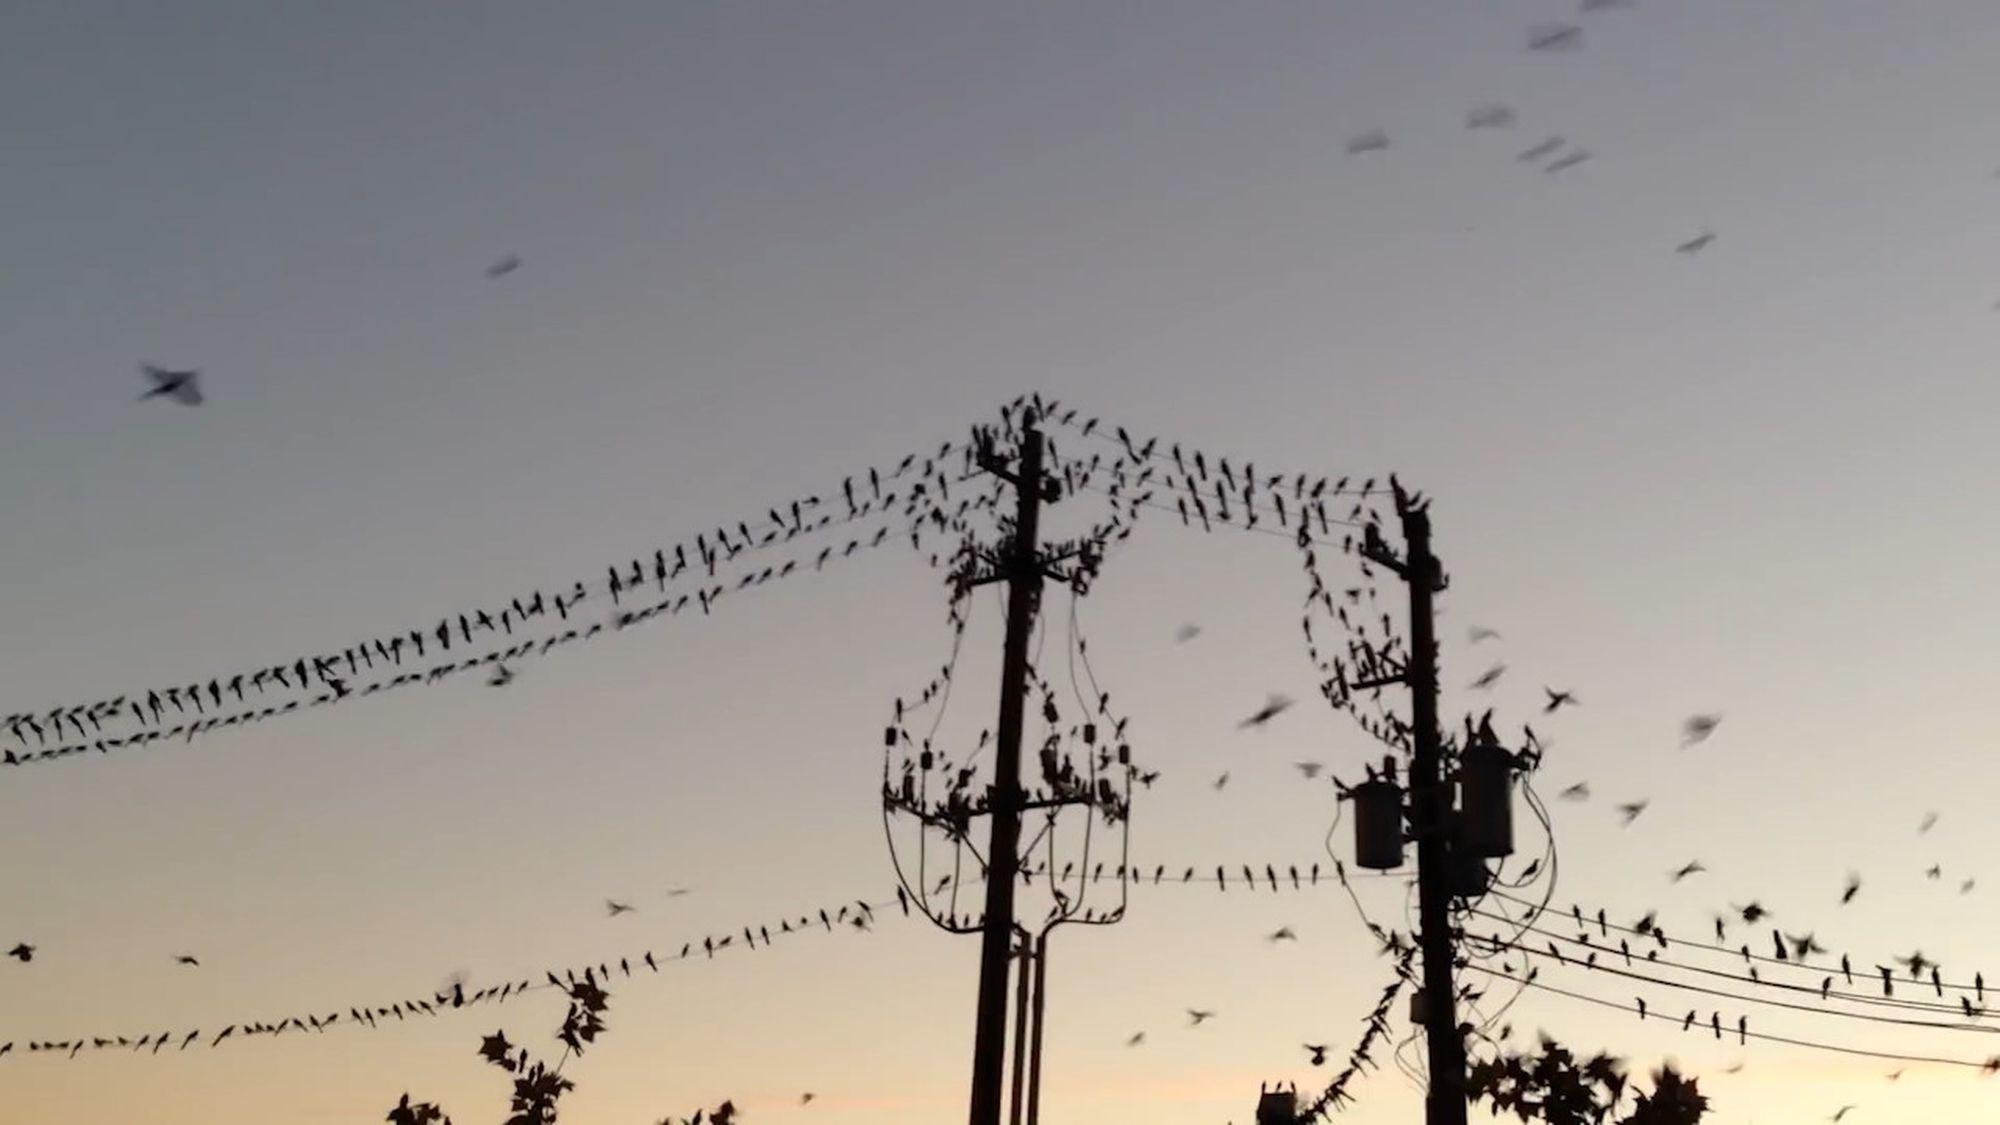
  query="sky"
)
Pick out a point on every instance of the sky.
point(765, 246)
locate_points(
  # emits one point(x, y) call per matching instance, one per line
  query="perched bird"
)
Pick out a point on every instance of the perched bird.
point(1691, 867)
point(1631, 810)
point(1578, 792)
point(1273, 707)
point(1489, 677)
point(501, 677)
point(1852, 888)
point(1283, 933)
point(1317, 1051)
point(23, 953)
point(1197, 1017)
point(187, 959)
point(1374, 140)
point(503, 267)
point(1490, 116)
point(1310, 769)
point(1557, 700)
point(1555, 37)
point(1696, 245)
point(613, 908)
point(181, 386)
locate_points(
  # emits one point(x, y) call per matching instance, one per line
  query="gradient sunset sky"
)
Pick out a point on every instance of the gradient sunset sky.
point(766, 245)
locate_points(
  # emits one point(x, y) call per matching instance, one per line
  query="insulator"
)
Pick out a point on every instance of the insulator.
point(1124, 754)
point(889, 737)
point(1486, 799)
point(1090, 734)
point(924, 759)
point(1469, 876)
point(909, 789)
point(1419, 1009)
point(1378, 824)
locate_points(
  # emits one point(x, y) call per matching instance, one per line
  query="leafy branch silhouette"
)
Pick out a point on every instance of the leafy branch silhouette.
point(539, 1087)
point(1558, 1088)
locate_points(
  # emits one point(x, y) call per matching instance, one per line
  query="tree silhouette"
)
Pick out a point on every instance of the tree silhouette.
point(1557, 1088)
point(538, 1087)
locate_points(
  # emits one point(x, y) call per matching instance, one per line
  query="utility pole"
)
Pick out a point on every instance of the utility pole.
point(1022, 569)
point(1430, 811)
point(1035, 1031)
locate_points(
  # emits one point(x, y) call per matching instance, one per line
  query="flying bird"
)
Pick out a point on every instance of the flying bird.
point(503, 267)
point(1852, 888)
point(1491, 116)
point(1555, 37)
point(807, 1097)
point(1374, 140)
point(1138, 1037)
point(1318, 1053)
point(1546, 148)
point(23, 953)
point(1929, 822)
point(183, 387)
point(502, 676)
point(613, 908)
point(1696, 244)
point(1222, 781)
point(1273, 707)
point(1631, 810)
point(1843, 1111)
point(1557, 700)
point(1691, 867)
point(1578, 792)
point(1310, 769)
point(1576, 157)
point(1489, 677)
point(188, 960)
point(1197, 1017)
point(1480, 633)
point(1283, 933)
point(1186, 633)
point(1697, 728)
point(1753, 913)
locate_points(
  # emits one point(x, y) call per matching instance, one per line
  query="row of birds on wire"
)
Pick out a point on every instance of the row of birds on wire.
point(187, 710)
point(859, 915)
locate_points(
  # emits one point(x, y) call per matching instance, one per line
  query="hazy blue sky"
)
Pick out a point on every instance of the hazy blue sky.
point(769, 244)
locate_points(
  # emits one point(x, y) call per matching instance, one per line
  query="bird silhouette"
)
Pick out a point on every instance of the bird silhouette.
point(1273, 707)
point(1696, 244)
point(183, 387)
point(501, 677)
point(1555, 37)
point(1317, 1051)
point(503, 267)
point(1965, 887)
point(1696, 729)
point(1894, 1074)
point(1852, 888)
point(1489, 677)
point(677, 892)
point(1546, 148)
point(1576, 157)
point(1186, 633)
point(1197, 1017)
point(1691, 867)
point(1557, 700)
point(23, 953)
point(1374, 140)
point(1222, 781)
point(613, 908)
point(187, 959)
point(1630, 811)
point(1283, 933)
point(1752, 913)
point(1934, 872)
point(1929, 822)
point(1843, 1111)
point(1138, 1037)
point(1490, 116)
point(807, 1098)
point(1310, 769)
point(1804, 945)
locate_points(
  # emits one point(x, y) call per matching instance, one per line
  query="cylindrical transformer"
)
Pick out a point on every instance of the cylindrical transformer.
point(1469, 876)
point(1419, 1011)
point(1486, 801)
point(1378, 824)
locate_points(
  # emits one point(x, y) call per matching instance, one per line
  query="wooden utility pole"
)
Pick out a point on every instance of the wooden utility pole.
point(1022, 569)
point(1430, 802)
